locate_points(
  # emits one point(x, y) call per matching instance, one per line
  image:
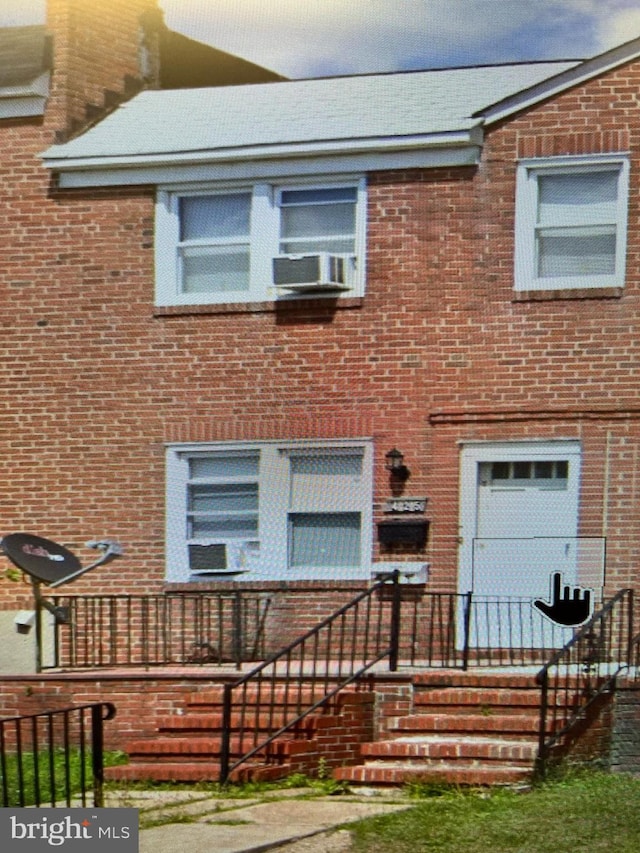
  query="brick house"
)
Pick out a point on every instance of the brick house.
point(230, 422)
point(237, 303)
point(58, 77)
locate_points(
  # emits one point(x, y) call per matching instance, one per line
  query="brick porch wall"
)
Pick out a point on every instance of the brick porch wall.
point(625, 736)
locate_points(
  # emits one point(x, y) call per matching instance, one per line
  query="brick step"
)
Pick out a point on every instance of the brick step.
point(400, 773)
point(281, 694)
point(479, 710)
point(177, 771)
point(180, 771)
point(263, 722)
point(208, 748)
point(214, 697)
point(191, 748)
point(455, 698)
point(474, 723)
point(465, 748)
point(509, 680)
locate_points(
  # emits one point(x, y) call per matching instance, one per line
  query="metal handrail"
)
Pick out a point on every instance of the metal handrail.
point(352, 646)
point(603, 641)
point(28, 748)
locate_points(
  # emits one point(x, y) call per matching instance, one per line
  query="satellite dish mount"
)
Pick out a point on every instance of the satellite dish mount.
point(46, 562)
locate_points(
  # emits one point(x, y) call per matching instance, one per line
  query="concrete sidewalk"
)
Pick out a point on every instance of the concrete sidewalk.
point(173, 821)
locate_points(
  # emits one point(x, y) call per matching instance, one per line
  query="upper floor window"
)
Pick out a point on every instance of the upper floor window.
point(259, 243)
point(214, 248)
point(571, 223)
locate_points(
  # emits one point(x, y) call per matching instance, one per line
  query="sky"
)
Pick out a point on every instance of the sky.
point(316, 38)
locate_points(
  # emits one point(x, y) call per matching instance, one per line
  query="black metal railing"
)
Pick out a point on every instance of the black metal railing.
point(305, 675)
point(510, 631)
point(54, 757)
point(437, 629)
point(632, 675)
point(585, 669)
point(434, 628)
point(453, 630)
point(156, 630)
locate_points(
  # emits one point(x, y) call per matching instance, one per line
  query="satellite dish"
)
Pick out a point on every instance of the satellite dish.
point(48, 563)
point(43, 560)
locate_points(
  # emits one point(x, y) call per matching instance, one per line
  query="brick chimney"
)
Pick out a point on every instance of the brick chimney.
point(104, 51)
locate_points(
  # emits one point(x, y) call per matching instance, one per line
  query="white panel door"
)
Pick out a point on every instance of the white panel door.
point(526, 526)
point(519, 524)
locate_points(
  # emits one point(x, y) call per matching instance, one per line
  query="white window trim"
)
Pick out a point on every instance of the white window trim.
point(528, 171)
point(264, 240)
point(274, 509)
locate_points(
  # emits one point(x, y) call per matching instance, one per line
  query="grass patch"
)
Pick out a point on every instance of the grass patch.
point(229, 822)
point(43, 778)
point(590, 811)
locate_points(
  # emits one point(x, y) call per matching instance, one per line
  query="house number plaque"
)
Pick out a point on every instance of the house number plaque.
point(405, 505)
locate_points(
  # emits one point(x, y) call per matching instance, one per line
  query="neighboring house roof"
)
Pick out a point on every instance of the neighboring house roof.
point(299, 117)
point(417, 118)
point(26, 60)
point(25, 53)
point(186, 64)
point(25, 63)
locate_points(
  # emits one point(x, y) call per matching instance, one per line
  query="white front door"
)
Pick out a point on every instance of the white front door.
point(526, 527)
point(519, 525)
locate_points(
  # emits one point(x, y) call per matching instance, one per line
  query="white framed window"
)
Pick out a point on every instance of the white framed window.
point(217, 244)
point(571, 222)
point(270, 511)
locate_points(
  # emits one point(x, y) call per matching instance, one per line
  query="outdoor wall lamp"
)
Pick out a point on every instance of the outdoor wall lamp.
point(394, 463)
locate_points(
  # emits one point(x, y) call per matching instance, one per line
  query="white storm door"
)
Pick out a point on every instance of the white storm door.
point(527, 524)
point(519, 514)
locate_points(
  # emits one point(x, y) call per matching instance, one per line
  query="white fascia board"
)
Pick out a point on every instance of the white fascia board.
point(22, 107)
point(24, 101)
point(581, 73)
point(255, 171)
point(437, 150)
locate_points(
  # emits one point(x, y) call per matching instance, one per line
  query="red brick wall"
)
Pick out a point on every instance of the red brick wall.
point(97, 45)
point(145, 701)
point(590, 742)
point(141, 701)
point(439, 351)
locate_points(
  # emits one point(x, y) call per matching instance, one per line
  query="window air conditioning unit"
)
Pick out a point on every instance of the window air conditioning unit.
point(311, 273)
point(221, 558)
point(207, 559)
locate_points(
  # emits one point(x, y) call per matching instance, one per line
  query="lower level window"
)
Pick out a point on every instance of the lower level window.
point(324, 539)
point(270, 511)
